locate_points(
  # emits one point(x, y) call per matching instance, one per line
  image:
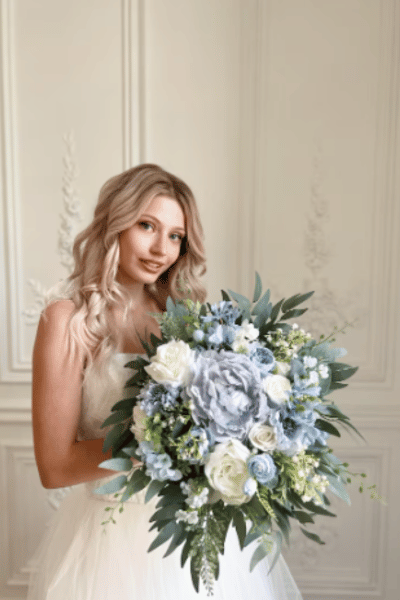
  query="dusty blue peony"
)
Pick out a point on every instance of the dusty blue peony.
point(226, 394)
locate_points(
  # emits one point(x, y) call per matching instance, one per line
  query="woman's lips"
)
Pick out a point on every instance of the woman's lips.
point(151, 266)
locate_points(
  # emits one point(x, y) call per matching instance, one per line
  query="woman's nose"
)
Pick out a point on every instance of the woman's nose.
point(159, 244)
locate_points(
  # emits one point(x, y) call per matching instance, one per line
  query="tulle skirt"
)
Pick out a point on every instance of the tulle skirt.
point(80, 559)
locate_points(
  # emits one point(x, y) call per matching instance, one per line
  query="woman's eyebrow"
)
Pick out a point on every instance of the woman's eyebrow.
point(159, 222)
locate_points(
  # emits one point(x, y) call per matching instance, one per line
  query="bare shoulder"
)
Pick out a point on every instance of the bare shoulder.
point(53, 331)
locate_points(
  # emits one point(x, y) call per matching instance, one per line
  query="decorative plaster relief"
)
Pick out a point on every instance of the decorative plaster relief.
point(70, 218)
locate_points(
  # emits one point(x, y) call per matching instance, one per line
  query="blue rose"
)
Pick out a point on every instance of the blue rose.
point(264, 359)
point(263, 468)
point(226, 394)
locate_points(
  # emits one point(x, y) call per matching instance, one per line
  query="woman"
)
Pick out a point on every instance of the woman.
point(144, 244)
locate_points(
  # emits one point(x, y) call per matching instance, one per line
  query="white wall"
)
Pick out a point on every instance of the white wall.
point(283, 117)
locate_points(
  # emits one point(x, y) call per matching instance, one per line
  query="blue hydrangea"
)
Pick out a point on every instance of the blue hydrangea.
point(158, 397)
point(263, 358)
point(263, 468)
point(296, 430)
point(158, 465)
point(220, 334)
point(199, 441)
point(302, 382)
point(223, 310)
point(226, 394)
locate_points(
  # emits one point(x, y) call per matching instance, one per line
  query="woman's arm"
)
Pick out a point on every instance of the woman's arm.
point(56, 405)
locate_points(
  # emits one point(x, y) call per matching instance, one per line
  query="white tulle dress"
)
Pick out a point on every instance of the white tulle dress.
point(79, 559)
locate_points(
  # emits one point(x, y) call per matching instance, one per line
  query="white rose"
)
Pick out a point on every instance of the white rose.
point(138, 428)
point(263, 437)
point(277, 387)
point(283, 368)
point(172, 363)
point(226, 471)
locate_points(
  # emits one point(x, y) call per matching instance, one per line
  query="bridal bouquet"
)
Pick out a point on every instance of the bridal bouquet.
point(230, 417)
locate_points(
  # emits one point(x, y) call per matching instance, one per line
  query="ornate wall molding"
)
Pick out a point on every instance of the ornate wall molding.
point(15, 366)
point(70, 218)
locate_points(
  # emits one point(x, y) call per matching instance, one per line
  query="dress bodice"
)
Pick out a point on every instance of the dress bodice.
point(101, 389)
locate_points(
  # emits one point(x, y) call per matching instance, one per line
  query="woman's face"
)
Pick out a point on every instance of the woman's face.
point(152, 244)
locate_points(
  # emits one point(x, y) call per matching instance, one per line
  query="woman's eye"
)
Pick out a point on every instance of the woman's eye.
point(176, 237)
point(145, 225)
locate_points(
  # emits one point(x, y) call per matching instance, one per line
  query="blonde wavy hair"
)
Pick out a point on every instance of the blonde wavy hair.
point(92, 286)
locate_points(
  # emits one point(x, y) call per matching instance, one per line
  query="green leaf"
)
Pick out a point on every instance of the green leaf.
point(327, 427)
point(296, 300)
point(240, 526)
point(117, 464)
point(341, 371)
point(337, 487)
point(291, 314)
point(318, 509)
point(278, 543)
point(186, 548)
point(336, 386)
point(112, 486)
point(117, 417)
point(276, 309)
point(243, 303)
point(113, 436)
point(260, 552)
point(257, 288)
point(155, 486)
point(170, 305)
point(126, 404)
point(195, 572)
point(312, 536)
point(168, 512)
point(302, 516)
point(137, 482)
point(177, 539)
point(262, 304)
point(164, 535)
point(156, 341)
point(225, 296)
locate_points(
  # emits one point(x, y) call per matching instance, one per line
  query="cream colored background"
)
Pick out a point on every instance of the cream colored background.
point(283, 117)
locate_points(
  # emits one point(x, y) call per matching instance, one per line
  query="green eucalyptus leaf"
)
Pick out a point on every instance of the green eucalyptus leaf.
point(276, 309)
point(296, 300)
point(291, 314)
point(257, 288)
point(262, 304)
point(137, 482)
point(164, 535)
point(117, 464)
point(327, 427)
point(112, 486)
point(117, 417)
point(336, 386)
point(318, 509)
point(260, 552)
point(278, 545)
point(312, 536)
point(177, 539)
point(243, 303)
point(126, 404)
point(154, 488)
point(341, 371)
point(240, 526)
point(113, 436)
point(337, 487)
